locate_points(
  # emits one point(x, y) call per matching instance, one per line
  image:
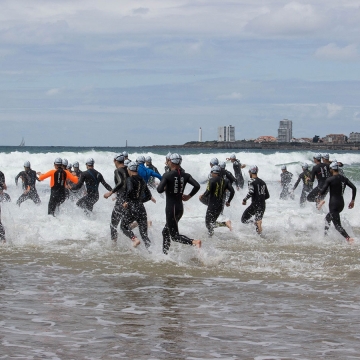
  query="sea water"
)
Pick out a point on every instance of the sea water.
point(67, 292)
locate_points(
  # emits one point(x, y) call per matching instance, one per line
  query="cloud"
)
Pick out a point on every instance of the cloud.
point(333, 110)
point(232, 96)
point(141, 11)
point(53, 92)
point(334, 52)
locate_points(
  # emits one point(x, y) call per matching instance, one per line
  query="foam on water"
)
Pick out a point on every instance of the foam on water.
point(293, 244)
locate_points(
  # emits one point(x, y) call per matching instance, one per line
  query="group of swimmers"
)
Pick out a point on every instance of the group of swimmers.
point(134, 179)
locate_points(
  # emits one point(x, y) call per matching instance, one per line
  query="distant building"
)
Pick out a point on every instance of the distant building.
point(285, 131)
point(226, 133)
point(200, 135)
point(265, 138)
point(301, 140)
point(335, 139)
point(354, 137)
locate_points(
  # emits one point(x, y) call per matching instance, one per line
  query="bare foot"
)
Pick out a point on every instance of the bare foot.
point(149, 223)
point(350, 240)
point(258, 225)
point(228, 224)
point(197, 243)
point(135, 241)
point(320, 204)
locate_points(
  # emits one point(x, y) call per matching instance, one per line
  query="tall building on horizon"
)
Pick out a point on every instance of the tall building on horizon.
point(226, 133)
point(285, 131)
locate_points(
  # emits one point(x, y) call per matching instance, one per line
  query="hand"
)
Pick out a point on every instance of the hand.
point(125, 205)
point(244, 202)
point(351, 205)
point(238, 188)
point(153, 200)
point(5, 187)
point(200, 197)
point(38, 173)
point(107, 195)
point(227, 204)
point(186, 197)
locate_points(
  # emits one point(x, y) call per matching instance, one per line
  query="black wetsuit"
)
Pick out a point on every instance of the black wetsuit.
point(120, 176)
point(92, 178)
point(285, 178)
point(173, 183)
point(135, 195)
point(258, 192)
point(57, 195)
point(215, 192)
point(305, 177)
point(29, 178)
point(238, 173)
point(321, 172)
point(337, 184)
point(75, 195)
point(4, 197)
point(151, 181)
point(2, 230)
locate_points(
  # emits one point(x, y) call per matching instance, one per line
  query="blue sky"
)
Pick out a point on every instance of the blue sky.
point(152, 72)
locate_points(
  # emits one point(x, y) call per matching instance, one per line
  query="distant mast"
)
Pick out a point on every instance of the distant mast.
point(22, 142)
point(200, 135)
point(126, 144)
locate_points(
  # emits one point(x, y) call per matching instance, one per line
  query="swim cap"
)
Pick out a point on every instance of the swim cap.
point(175, 158)
point(76, 164)
point(305, 165)
point(168, 156)
point(58, 161)
point(69, 166)
point(216, 169)
point(125, 153)
point(334, 165)
point(90, 162)
point(127, 162)
point(317, 156)
point(325, 156)
point(133, 166)
point(120, 158)
point(253, 169)
point(64, 162)
point(283, 167)
point(223, 164)
point(214, 161)
point(232, 156)
point(27, 164)
point(140, 159)
point(148, 159)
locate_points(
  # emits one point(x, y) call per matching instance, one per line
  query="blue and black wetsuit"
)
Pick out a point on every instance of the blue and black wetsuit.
point(173, 183)
point(29, 179)
point(92, 178)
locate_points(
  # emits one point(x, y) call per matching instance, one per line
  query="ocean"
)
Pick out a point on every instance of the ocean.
point(67, 292)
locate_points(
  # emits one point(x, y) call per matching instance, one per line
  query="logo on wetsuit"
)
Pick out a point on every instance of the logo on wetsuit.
point(261, 189)
point(176, 185)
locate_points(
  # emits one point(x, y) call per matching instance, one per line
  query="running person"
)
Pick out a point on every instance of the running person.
point(305, 177)
point(2, 230)
point(58, 178)
point(167, 162)
point(135, 195)
point(144, 172)
point(321, 172)
point(29, 179)
point(149, 165)
point(4, 197)
point(120, 176)
point(337, 183)
point(173, 183)
point(237, 166)
point(258, 192)
point(215, 191)
point(92, 178)
point(285, 180)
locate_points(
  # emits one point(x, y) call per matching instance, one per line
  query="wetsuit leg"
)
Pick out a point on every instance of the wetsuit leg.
point(22, 198)
point(2, 230)
point(127, 220)
point(141, 219)
point(87, 202)
point(303, 196)
point(5, 197)
point(34, 196)
point(57, 197)
point(335, 208)
point(116, 216)
point(252, 210)
point(210, 220)
point(335, 218)
point(313, 195)
point(240, 181)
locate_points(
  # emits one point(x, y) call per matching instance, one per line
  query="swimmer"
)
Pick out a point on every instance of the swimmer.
point(285, 180)
point(4, 197)
point(305, 177)
point(145, 172)
point(29, 179)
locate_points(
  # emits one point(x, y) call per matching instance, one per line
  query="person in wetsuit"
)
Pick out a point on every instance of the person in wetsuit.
point(2, 230)
point(58, 178)
point(173, 184)
point(305, 177)
point(321, 172)
point(145, 172)
point(136, 193)
point(285, 180)
point(149, 165)
point(167, 162)
point(237, 166)
point(75, 195)
point(215, 191)
point(337, 184)
point(4, 197)
point(29, 179)
point(92, 179)
point(258, 192)
point(120, 176)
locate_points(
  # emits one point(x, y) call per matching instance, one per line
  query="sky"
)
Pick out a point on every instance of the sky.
point(100, 73)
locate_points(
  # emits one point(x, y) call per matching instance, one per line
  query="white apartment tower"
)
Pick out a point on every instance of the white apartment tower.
point(285, 131)
point(226, 133)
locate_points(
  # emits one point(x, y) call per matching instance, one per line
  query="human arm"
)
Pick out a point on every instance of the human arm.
point(353, 188)
point(250, 192)
point(154, 174)
point(298, 181)
point(195, 189)
point(79, 182)
point(161, 187)
point(232, 192)
point(105, 184)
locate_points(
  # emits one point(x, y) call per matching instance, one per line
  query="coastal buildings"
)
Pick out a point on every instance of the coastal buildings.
point(335, 139)
point(226, 133)
point(265, 138)
point(285, 131)
point(354, 137)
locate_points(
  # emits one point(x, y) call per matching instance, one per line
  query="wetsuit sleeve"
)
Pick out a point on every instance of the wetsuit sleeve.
point(195, 184)
point(120, 182)
point(79, 182)
point(231, 189)
point(129, 189)
point(231, 178)
point(46, 175)
point(352, 186)
point(71, 177)
point(251, 191)
point(325, 187)
point(106, 185)
point(161, 187)
point(297, 181)
point(208, 189)
point(156, 170)
point(267, 195)
point(17, 177)
point(154, 174)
